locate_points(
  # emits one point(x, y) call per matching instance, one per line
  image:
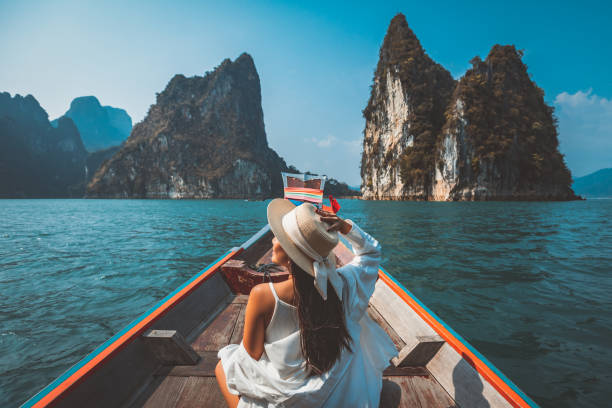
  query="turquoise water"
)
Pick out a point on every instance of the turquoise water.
point(527, 284)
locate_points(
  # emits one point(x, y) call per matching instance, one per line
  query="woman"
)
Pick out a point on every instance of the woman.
point(307, 344)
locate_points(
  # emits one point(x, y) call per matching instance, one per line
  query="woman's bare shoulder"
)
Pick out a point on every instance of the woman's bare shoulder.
point(261, 299)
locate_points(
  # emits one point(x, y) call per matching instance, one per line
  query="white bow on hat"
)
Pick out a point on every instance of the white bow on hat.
point(324, 266)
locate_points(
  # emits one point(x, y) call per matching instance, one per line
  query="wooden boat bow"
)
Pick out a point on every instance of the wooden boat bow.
point(434, 367)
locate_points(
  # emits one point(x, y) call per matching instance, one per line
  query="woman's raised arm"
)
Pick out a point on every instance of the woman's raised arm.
point(361, 273)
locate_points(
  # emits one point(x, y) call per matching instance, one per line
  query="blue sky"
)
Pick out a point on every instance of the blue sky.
point(315, 61)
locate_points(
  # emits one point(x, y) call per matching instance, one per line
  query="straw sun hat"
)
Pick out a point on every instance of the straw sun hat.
point(305, 238)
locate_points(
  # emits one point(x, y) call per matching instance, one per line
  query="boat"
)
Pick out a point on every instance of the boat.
point(166, 357)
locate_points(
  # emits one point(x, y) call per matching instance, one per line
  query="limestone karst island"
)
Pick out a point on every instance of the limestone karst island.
point(487, 136)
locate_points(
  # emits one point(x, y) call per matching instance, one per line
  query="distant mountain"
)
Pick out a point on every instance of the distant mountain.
point(95, 159)
point(203, 138)
point(36, 159)
point(598, 184)
point(339, 189)
point(100, 126)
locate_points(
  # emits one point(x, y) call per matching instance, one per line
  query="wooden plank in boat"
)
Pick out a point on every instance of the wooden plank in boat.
point(141, 396)
point(377, 317)
point(397, 392)
point(241, 299)
point(414, 392)
point(415, 341)
point(219, 332)
point(393, 371)
point(398, 314)
point(204, 368)
point(170, 347)
point(419, 351)
point(208, 319)
point(429, 393)
point(167, 393)
point(238, 327)
point(463, 382)
point(200, 392)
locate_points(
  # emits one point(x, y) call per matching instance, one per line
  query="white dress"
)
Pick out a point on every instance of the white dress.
point(278, 378)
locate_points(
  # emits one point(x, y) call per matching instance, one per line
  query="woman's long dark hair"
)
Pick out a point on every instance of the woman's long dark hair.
point(323, 332)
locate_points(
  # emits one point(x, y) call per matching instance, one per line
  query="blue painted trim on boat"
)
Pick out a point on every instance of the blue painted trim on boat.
point(110, 341)
point(256, 236)
point(482, 358)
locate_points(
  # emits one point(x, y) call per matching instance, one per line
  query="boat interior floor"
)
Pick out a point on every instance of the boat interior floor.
point(189, 386)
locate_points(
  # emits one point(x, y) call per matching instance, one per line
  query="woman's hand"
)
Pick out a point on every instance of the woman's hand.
point(336, 223)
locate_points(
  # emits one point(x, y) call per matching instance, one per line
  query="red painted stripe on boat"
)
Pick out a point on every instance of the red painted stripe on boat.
point(500, 385)
point(131, 334)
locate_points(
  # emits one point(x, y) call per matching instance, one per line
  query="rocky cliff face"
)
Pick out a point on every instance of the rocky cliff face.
point(489, 136)
point(204, 138)
point(403, 117)
point(100, 126)
point(95, 160)
point(36, 159)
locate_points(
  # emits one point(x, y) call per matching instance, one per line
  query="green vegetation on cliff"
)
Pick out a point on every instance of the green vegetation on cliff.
point(508, 121)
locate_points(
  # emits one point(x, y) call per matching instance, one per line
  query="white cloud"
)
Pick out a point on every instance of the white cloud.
point(585, 131)
point(352, 146)
point(326, 142)
point(582, 99)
